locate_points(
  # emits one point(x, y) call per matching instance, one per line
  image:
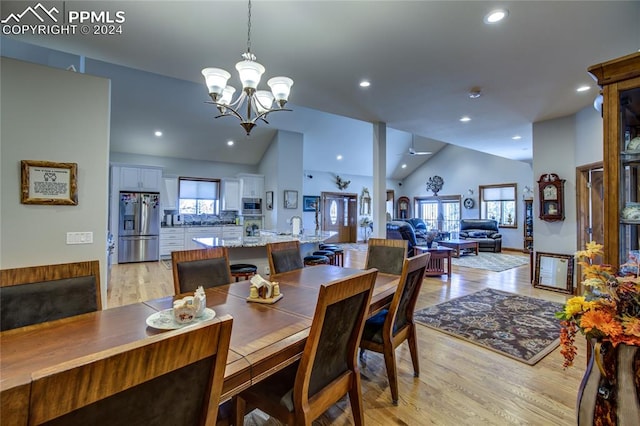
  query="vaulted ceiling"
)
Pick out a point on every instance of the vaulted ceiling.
point(421, 57)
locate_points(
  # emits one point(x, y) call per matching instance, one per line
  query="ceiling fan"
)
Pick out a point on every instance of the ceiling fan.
point(412, 150)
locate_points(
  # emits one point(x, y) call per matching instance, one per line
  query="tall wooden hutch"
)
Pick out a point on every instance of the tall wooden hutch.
point(620, 82)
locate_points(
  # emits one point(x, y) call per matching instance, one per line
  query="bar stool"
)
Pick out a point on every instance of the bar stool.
point(243, 270)
point(316, 260)
point(328, 253)
point(337, 251)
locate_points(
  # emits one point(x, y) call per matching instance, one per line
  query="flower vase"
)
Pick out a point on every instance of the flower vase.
point(429, 244)
point(610, 390)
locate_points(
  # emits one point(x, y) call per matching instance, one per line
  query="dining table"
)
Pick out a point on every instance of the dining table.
point(265, 338)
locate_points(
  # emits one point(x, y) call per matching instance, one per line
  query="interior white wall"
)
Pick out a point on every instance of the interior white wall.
point(463, 169)
point(554, 151)
point(53, 115)
point(589, 137)
point(282, 166)
point(268, 167)
point(174, 167)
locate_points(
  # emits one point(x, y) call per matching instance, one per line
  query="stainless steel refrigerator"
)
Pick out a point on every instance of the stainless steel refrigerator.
point(139, 227)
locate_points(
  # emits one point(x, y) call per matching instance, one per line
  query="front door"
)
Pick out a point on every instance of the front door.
point(339, 215)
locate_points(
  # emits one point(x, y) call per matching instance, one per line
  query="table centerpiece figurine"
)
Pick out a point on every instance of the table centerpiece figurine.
point(184, 310)
point(608, 315)
point(263, 291)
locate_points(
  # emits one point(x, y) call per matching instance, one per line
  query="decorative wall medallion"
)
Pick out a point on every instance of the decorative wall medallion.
point(435, 184)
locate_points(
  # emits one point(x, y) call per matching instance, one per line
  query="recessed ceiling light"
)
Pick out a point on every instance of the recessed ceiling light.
point(158, 133)
point(495, 16)
point(365, 83)
point(404, 166)
point(516, 137)
point(583, 88)
point(475, 93)
point(339, 157)
point(464, 119)
point(230, 143)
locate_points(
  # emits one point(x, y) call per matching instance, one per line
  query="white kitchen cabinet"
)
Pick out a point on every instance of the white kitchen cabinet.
point(169, 194)
point(252, 185)
point(140, 179)
point(232, 232)
point(200, 232)
point(171, 239)
point(231, 194)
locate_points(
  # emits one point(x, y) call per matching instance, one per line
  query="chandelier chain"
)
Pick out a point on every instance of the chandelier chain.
point(249, 28)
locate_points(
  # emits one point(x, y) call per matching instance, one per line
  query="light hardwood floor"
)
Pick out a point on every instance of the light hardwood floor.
point(459, 384)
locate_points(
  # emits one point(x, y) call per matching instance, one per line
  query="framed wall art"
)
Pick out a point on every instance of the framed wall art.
point(46, 182)
point(290, 199)
point(310, 203)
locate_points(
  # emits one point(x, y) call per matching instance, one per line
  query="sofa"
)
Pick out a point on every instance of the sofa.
point(484, 231)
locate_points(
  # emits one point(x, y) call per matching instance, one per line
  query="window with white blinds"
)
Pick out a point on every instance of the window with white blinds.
point(498, 202)
point(199, 196)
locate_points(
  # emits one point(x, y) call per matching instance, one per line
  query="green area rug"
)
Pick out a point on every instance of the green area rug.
point(496, 262)
point(520, 327)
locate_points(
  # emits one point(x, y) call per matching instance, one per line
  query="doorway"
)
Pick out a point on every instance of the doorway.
point(590, 205)
point(339, 215)
point(389, 206)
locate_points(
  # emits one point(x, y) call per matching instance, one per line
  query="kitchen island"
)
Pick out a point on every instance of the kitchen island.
point(253, 250)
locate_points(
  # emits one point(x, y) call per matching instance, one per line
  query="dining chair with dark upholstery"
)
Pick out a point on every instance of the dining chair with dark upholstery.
point(171, 378)
point(328, 369)
point(386, 255)
point(36, 294)
point(385, 331)
point(205, 267)
point(284, 256)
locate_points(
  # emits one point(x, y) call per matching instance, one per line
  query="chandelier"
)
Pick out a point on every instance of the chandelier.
point(259, 103)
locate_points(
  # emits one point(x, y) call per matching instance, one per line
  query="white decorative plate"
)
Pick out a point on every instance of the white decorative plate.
point(164, 320)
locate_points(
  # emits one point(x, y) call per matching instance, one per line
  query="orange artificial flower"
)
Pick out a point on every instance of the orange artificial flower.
point(609, 310)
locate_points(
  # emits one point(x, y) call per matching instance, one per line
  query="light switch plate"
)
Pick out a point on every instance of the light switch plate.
point(79, 237)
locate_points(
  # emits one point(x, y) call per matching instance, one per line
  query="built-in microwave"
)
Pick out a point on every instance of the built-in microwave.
point(251, 206)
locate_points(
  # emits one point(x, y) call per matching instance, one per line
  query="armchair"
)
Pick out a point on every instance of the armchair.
point(400, 230)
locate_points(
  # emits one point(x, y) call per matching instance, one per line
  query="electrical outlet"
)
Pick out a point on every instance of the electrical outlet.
point(79, 237)
point(267, 271)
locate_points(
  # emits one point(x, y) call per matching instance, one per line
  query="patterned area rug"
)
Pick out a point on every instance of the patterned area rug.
point(496, 262)
point(520, 327)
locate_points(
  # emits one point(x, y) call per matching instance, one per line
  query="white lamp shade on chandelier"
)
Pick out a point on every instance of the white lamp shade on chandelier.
point(250, 73)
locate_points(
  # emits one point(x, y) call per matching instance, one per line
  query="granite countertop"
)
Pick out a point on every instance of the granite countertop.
point(262, 240)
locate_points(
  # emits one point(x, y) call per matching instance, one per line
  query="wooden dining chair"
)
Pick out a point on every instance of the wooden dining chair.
point(171, 378)
point(385, 331)
point(36, 294)
point(284, 256)
point(386, 255)
point(205, 267)
point(328, 369)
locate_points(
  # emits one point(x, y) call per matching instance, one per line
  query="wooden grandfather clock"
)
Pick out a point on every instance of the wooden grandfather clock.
point(551, 195)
